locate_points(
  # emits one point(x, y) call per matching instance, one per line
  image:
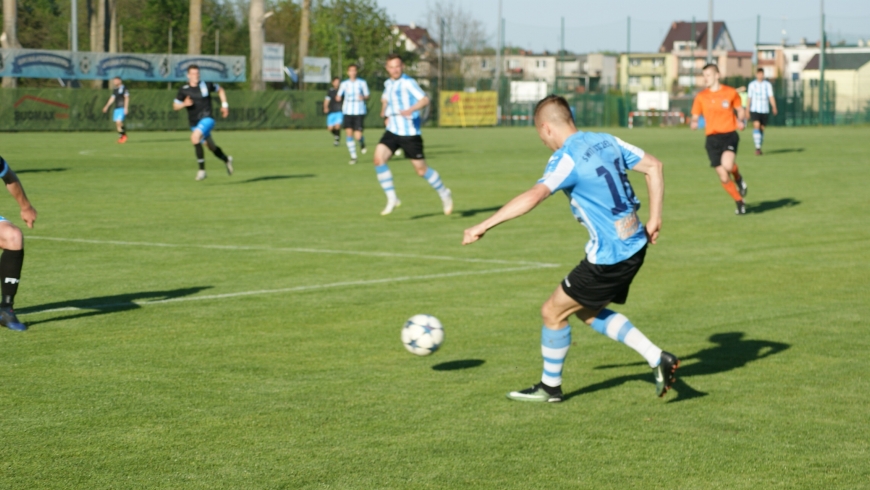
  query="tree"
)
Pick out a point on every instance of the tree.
point(256, 18)
point(463, 34)
point(194, 28)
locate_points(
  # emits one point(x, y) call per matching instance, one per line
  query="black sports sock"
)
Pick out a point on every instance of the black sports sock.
point(362, 141)
point(123, 130)
point(335, 133)
point(220, 154)
point(10, 274)
point(200, 156)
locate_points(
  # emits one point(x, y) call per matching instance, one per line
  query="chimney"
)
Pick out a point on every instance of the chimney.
point(413, 25)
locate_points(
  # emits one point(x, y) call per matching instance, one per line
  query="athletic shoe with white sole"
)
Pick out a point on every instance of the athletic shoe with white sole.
point(537, 393)
point(10, 321)
point(742, 187)
point(391, 205)
point(229, 164)
point(741, 208)
point(364, 150)
point(200, 175)
point(352, 161)
point(447, 201)
point(665, 373)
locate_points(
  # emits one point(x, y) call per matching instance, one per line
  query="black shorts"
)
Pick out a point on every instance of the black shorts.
point(411, 145)
point(353, 122)
point(717, 144)
point(760, 117)
point(594, 286)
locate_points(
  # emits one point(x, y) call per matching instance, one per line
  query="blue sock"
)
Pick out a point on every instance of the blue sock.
point(554, 348)
point(385, 177)
point(434, 180)
point(617, 327)
point(757, 137)
point(351, 147)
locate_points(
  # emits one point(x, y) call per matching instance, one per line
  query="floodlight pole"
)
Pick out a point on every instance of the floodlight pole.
point(822, 63)
point(498, 49)
point(74, 22)
point(709, 31)
point(692, 42)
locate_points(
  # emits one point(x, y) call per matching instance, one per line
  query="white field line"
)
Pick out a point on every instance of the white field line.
point(261, 292)
point(296, 250)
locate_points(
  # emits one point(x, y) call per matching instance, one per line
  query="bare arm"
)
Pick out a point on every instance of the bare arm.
point(106, 107)
point(176, 105)
point(383, 108)
point(517, 207)
point(326, 105)
point(126, 104)
point(225, 107)
point(416, 107)
point(773, 105)
point(651, 167)
point(13, 185)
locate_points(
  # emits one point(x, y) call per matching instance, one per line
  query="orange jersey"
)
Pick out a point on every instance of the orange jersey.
point(718, 109)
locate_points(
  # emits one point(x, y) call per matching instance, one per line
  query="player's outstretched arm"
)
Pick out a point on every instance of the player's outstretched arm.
point(416, 107)
point(106, 107)
point(651, 167)
point(13, 185)
point(225, 107)
point(517, 207)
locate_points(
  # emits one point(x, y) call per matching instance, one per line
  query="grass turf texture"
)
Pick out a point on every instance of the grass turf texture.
point(313, 389)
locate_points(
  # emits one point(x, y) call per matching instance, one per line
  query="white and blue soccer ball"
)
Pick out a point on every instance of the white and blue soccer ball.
point(422, 334)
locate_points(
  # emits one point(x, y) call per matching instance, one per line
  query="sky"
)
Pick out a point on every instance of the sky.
point(602, 26)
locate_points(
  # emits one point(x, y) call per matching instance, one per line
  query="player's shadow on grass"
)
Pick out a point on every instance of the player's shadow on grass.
point(100, 305)
point(41, 170)
point(467, 213)
point(763, 206)
point(784, 150)
point(274, 177)
point(457, 365)
point(730, 352)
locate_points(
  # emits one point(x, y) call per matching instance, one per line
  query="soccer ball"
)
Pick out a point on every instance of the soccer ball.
point(422, 334)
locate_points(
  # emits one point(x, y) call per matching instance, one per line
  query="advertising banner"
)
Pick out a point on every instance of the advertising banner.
point(273, 62)
point(316, 70)
point(63, 109)
point(83, 65)
point(468, 109)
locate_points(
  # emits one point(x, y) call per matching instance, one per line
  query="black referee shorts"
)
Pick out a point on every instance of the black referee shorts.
point(595, 286)
point(411, 145)
point(717, 144)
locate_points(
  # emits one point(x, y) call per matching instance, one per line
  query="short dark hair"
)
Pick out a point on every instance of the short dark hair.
point(561, 105)
point(336, 78)
point(394, 56)
point(353, 65)
point(117, 78)
point(711, 65)
point(760, 70)
point(192, 67)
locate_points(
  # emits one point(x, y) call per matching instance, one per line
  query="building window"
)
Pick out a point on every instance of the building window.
point(657, 81)
point(540, 63)
point(484, 64)
point(739, 62)
point(687, 63)
point(634, 61)
point(634, 80)
point(685, 81)
point(767, 54)
point(794, 58)
point(658, 62)
point(795, 76)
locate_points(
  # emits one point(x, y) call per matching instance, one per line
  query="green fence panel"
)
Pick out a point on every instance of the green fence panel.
point(151, 110)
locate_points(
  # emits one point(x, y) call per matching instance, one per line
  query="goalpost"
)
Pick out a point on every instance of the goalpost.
point(666, 118)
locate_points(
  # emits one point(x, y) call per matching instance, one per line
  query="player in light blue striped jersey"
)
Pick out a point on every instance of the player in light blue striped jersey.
point(590, 168)
point(761, 100)
point(353, 94)
point(400, 106)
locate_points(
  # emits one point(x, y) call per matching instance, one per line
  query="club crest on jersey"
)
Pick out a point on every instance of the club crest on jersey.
point(724, 104)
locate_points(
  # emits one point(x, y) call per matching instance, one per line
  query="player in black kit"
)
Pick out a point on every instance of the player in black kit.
point(332, 108)
point(196, 97)
point(12, 243)
point(121, 98)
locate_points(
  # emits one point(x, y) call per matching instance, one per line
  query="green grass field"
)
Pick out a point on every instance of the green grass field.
point(243, 332)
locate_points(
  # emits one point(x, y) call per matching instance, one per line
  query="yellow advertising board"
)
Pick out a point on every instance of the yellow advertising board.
point(468, 109)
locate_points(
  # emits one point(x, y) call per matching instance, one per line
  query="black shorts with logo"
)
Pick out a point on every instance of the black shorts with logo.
point(353, 122)
point(594, 286)
point(760, 117)
point(717, 144)
point(411, 145)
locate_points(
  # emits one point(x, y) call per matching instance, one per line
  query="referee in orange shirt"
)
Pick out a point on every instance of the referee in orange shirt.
point(718, 103)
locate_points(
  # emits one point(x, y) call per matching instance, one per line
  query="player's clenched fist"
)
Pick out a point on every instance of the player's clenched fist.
point(473, 234)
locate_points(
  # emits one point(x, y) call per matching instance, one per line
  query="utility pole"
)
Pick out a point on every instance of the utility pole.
point(709, 31)
point(217, 42)
point(441, 56)
point(498, 50)
point(757, 39)
point(628, 55)
point(303, 38)
point(822, 64)
point(169, 52)
point(74, 26)
point(692, 42)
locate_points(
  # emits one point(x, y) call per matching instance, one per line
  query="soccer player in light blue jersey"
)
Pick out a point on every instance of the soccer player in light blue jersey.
point(400, 107)
point(590, 168)
point(761, 101)
point(353, 94)
point(121, 98)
